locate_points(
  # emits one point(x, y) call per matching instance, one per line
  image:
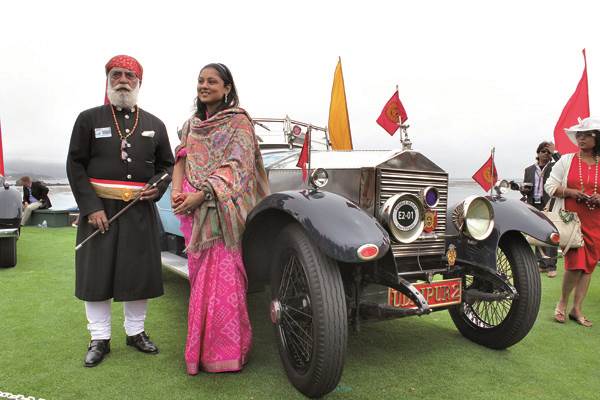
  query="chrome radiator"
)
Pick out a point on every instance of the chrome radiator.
point(393, 181)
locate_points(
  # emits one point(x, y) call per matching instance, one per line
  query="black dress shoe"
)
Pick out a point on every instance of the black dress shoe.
point(142, 342)
point(96, 352)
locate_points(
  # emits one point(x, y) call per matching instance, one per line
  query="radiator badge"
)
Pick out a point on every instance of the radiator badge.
point(430, 221)
point(451, 255)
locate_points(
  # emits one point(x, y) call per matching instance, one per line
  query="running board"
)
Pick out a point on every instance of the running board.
point(175, 263)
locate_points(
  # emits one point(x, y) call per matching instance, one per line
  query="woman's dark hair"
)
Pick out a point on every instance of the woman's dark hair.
point(232, 97)
point(541, 147)
point(596, 148)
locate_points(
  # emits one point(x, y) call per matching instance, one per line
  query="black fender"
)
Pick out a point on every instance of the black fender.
point(335, 224)
point(509, 215)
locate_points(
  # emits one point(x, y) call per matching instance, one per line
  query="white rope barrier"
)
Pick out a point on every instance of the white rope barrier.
point(10, 396)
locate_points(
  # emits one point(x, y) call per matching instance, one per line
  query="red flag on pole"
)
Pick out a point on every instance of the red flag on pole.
point(578, 106)
point(304, 155)
point(1, 154)
point(392, 115)
point(487, 175)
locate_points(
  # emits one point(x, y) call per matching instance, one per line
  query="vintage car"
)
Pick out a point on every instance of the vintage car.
point(371, 237)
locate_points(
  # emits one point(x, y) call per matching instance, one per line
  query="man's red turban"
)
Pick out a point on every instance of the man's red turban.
point(122, 61)
point(127, 62)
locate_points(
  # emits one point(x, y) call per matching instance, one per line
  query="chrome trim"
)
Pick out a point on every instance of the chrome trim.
point(424, 196)
point(427, 272)
point(367, 190)
point(367, 258)
point(464, 210)
point(393, 181)
point(388, 218)
point(314, 177)
point(8, 233)
point(290, 121)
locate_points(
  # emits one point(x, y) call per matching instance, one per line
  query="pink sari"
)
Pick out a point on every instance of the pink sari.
point(222, 156)
point(219, 332)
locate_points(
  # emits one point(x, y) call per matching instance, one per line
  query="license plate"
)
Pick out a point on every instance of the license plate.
point(438, 294)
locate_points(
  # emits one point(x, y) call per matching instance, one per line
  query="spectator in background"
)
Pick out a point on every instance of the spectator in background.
point(534, 194)
point(35, 196)
point(10, 205)
point(574, 183)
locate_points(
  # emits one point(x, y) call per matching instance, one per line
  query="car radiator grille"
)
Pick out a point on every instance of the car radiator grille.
point(393, 181)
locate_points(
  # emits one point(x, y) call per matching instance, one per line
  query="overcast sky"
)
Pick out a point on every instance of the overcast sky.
point(472, 75)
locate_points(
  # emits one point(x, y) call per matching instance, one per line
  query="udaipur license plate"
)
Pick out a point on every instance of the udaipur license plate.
point(437, 294)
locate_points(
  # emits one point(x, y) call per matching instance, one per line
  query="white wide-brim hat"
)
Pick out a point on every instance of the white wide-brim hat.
point(584, 125)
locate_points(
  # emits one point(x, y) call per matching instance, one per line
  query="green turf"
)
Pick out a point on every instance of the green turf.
point(43, 340)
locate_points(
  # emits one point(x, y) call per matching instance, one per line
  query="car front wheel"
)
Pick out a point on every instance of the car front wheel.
point(498, 322)
point(308, 310)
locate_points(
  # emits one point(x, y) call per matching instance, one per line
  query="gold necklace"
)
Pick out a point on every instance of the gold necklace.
point(124, 143)
point(123, 137)
point(588, 203)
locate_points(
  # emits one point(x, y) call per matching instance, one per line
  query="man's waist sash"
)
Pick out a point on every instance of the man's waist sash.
point(116, 190)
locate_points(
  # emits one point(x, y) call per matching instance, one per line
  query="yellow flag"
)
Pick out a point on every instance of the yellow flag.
point(339, 124)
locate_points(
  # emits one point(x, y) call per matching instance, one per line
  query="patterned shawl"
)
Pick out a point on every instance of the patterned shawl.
point(223, 155)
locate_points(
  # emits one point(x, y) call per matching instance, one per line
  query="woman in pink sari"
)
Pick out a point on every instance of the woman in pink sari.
point(218, 178)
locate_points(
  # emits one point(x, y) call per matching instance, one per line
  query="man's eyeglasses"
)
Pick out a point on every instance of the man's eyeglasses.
point(546, 151)
point(116, 74)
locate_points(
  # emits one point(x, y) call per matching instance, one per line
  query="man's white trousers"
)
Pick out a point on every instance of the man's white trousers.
point(99, 317)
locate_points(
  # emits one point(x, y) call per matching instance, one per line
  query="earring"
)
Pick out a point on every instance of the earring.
point(226, 98)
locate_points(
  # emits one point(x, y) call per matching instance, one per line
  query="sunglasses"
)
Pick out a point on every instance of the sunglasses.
point(546, 151)
point(585, 134)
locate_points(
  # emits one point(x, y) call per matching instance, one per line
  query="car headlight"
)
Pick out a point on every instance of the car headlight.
point(402, 214)
point(319, 178)
point(475, 217)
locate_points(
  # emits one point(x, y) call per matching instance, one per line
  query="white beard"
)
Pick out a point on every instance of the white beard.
point(123, 98)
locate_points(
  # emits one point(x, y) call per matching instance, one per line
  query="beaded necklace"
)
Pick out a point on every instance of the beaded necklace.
point(589, 203)
point(124, 142)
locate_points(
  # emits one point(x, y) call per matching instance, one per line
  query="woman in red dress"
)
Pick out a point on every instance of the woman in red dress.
point(575, 179)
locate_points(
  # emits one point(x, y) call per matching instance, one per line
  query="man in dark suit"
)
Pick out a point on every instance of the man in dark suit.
point(35, 196)
point(116, 152)
point(534, 194)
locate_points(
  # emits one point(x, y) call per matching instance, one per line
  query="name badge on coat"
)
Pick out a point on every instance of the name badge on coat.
point(148, 133)
point(103, 132)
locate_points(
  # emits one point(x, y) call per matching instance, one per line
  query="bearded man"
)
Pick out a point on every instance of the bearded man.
point(116, 152)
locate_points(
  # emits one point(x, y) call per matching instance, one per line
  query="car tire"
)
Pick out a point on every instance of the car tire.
point(500, 324)
point(308, 309)
point(8, 252)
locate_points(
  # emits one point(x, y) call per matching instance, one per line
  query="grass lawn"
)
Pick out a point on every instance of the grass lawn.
point(43, 340)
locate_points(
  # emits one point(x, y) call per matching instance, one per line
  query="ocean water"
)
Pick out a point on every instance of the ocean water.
point(62, 198)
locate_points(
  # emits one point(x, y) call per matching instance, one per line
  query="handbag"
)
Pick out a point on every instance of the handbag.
point(568, 225)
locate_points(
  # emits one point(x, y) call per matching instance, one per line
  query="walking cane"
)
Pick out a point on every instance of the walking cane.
point(117, 215)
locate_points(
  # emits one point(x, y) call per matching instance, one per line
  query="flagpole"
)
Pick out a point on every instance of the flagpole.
point(492, 171)
point(309, 133)
point(404, 140)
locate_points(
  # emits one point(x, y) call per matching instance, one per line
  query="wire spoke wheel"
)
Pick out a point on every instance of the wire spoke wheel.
point(308, 310)
point(295, 328)
point(501, 320)
point(489, 314)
